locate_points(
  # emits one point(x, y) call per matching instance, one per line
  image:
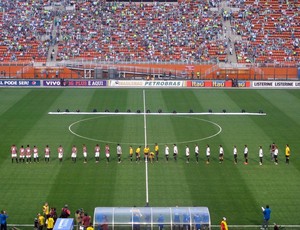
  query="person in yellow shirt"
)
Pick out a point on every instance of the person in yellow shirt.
point(90, 227)
point(45, 209)
point(41, 221)
point(156, 150)
point(287, 154)
point(223, 225)
point(151, 157)
point(50, 222)
point(130, 152)
point(138, 154)
point(146, 152)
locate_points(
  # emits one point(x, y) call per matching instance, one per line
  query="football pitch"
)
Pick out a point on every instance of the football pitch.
point(236, 191)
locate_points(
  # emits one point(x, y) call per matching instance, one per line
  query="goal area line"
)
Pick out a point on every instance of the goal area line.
point(158, 114)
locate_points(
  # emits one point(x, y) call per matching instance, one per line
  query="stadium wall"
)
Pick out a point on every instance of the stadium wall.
point(130, 71)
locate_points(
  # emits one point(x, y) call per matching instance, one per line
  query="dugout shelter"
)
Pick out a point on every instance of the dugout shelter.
point(148, 218)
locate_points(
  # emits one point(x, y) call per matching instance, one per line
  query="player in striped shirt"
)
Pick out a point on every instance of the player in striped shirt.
point(47, 153)
point(28, 154)
point(35, 151)
point(22, 154)
point(84, 152)
point(60, 152)
point(107, 153)
point(74, 153)
point(97, 153)
point(14, 153)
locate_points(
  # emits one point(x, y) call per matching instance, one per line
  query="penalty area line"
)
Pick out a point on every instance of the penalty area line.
point(156, 114)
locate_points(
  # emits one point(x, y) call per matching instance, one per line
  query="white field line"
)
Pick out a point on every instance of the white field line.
point(156, 114)
point(145, 135)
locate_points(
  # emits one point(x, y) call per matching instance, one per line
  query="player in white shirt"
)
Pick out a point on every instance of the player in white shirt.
point(261, 155)
point(119, 152)
point(187, 154)
point(197, 153)
point(207, 154)
point(246, 154)
point(235, 152)
point(276, 151)
point(175, 152)
point(167, 152)
point(221, 154)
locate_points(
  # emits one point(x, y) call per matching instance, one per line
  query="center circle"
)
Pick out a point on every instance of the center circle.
point(157, 134)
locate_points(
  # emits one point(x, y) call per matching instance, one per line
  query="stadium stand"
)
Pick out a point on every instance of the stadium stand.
point(270, 31)
point(183, 31)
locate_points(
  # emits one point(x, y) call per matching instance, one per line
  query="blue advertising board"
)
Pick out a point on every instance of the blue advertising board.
point(19, 83)
point(64, 224)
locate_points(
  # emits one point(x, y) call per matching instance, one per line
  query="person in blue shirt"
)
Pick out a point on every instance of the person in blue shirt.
point(267, 216)
point(136, 219)
point(186, 221)
point(176, 219)
point(3, 222)
point(197, 221)
point(160, 221)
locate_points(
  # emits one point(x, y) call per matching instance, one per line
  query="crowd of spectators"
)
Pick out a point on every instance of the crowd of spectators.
point(270, 31)
point(183, 31)
point(22, 27)
point(159, 31)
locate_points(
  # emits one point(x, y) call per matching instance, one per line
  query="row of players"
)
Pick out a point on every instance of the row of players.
point(25, 153)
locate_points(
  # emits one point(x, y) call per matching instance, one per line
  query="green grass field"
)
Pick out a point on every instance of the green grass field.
point(235, 191)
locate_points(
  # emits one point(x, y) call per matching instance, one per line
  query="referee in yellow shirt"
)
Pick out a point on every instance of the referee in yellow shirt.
point(156, 150)
point(287, 154)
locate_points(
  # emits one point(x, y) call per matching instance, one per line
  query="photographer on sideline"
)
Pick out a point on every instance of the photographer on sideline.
point(267, 215)
point(3, 222)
